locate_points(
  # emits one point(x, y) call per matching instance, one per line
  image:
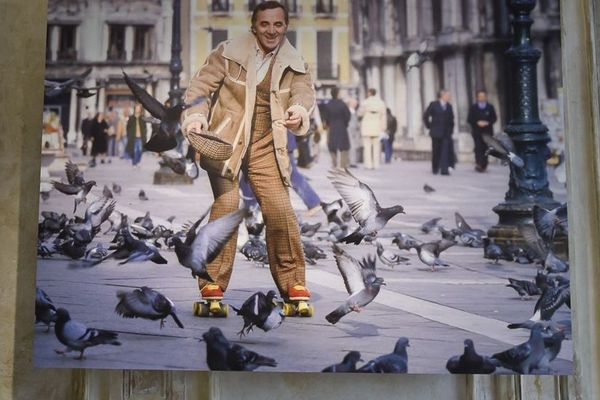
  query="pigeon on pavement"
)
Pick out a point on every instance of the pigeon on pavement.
point(525, 357)
point(364, 207)
point(470, 362)
point(389, 258)
point(406, 242)
point(428, 189)
point(146, 303)
point(142, 196)
point(542, 250)
point(348, 364)
point(260, 310)
point(116, 188)
point(396, 362)
point(106, 192)
point(78, 337)
point(525, 289)
point(360, 280)
point(429, 253)
point(430, 225)
point(221, 355)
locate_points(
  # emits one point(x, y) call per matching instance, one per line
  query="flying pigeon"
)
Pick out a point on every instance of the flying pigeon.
point(203, 244)
point(76, 184)
point(501, 146)
point(406, 242)
point(221, 355)
point(45, 311)
point(396, 362)
point(363, 205)
point(360, 280)
point(167, 118)
point(542, 250)
point(549, 223)
point(348, 364)
point(146, 303)
point(389, 258)
point(136, 250)
point(416, 59)
point(312, 252)
point(430, 225)
point(525, 357)
point(470, 362)
point(260, 310)
point(53, 89)
point(78, 337)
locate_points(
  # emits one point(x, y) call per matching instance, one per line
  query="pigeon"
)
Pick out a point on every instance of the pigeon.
point(389, 258)
point(116, 188)
point(145, 221)
point(96, 253)
point(85, 92)
point(336, 232)
point(525, 289)
point(525, 357)
point(309, 230)
point(416, 59)
point(406, 242)
point(253, 221)
point(78, 337)
point(428, 189)
point(348, 364)
point(146, 303)
point(260, 310)
point(142, 196)
point(429, 253)
point(221, 355)
point(468, 236)
point(312, 252)
point(73, 248)
point(203, 244)
point(430, 225)
point(552, 299)
point(255, 249)
point(542, 250)
point(45, 195)
point(364, 207)
point(177, 164)
point(493, 251)
point(53, 89)
point(107, 193)
point(470, 362)
point(360, 280)
point(336, 212)
point(501, 146)
point(549, 223)
point(135, 250)
point(396, 362)
point(552, 346)
point(45, 311)
point(76, 184)
point(166, 118)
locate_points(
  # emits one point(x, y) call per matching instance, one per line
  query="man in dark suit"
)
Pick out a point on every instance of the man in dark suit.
point(439, 119)
point(482, 117)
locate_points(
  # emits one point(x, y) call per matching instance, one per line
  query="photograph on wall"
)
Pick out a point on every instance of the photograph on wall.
point(304, 186)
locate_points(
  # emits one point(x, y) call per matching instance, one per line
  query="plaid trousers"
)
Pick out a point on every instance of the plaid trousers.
point(284, 246)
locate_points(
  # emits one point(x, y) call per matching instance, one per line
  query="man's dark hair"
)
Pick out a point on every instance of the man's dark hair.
point(372, 91)
point(441, 92)
point(270, 5)
point(480, 91)
point(335, 92)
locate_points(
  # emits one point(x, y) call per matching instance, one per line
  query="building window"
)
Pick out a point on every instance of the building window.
point(48, 42)
point(437, 16)
point(291, 5)
point(325, 8)
point(142, 42)
point(291, 36)
point(220, 6)
point(218, 36)
point(116, 42)
point(326, 70)
point(66, 43)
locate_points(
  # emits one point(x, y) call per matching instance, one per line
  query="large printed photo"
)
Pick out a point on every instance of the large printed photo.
point(336, 186)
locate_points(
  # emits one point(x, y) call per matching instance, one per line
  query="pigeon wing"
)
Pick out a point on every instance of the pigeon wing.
point(461, 223)
point(152, 105)
point(65, 188)
point(494, 144)
point(212, 236)
point(74, 174)
point(357, 195)
point(350, 269)
point(368, 266)
point(412, 61)
point(423, 46)
point(193, 230)
point(533, 242)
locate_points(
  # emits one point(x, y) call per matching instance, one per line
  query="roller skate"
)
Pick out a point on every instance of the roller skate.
point(211, 304)
point(297, 304)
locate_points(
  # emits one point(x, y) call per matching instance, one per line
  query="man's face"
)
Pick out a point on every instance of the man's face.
point(446, 96)
point(481, 97)
point(270, 28)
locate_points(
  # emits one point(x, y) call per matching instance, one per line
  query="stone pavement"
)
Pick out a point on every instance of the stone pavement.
point(436, 311)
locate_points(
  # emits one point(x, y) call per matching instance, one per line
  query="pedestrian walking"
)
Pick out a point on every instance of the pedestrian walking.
point(86, 131)
point(388, 141)
point(439, 119)
point(100, 138)
point(337, 117)
point(482, 117)
point(372, 126)
point(136, 136)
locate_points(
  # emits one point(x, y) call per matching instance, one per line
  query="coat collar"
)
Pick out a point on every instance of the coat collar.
point(241, 50)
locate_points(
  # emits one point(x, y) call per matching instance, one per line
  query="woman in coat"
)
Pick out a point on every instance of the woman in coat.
point(337, 117)
point(99, 136)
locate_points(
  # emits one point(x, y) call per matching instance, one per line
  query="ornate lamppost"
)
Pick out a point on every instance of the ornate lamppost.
point(527, 186)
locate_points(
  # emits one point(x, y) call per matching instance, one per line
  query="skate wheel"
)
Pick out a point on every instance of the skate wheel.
point(223, 311)
point(201, 309)
point(288, 309)
point(305, 309)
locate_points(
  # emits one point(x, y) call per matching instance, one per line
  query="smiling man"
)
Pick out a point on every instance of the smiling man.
point(259, 87)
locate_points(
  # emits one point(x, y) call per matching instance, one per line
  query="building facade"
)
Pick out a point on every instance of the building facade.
point(466, 44)
point(110, 36)
point(318, 29)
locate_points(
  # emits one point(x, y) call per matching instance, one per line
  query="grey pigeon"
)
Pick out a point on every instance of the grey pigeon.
point(405, 242)
point(312, 252)
point(552, 299)
point(552, 346)
point(501, 146)
point(53, 89)
point(166, 118)
point(389, 258)
point(96, 253)
point(255, 249)
point(106, 192)
point(203, 244)
point(177, 164)
point(348, 364)
point(428, 189)
point(260, 310)
point(76, 186)
point(468, 236)
point(549, 223)
point(78, 337)
point(45, 311)
point(430, 225)
point(525, 357)
point(146, 303)
point(337, 212)
point(396, 362)
point(365, 208)
point(493, 251)
point(429, 253)
point(360, 280)
point(136, 250)
point(525, 289)
point(470, 362)
point(416, 59)
point(542, 250)
point(308, 230)
point(221, 355)
point(142, 196)
point(116, 188)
